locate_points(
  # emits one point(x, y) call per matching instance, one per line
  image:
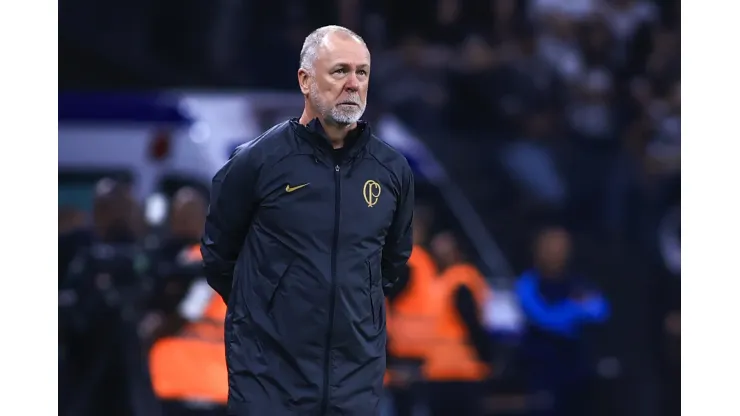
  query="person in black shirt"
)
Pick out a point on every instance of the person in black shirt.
point(105, 289)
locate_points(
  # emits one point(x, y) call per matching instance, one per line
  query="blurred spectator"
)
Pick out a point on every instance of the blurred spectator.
point(176, 270)
point(409, 86)
point(70, 219)
point(187, 366)
point(570, 10)
point(459, 357)
point(410, 323)
point(100, 303)
point(558, 45)
point(185, 323)
point(72, 236)
point(664, 150)
point(591, 112)
point(558, 304)
point(666, 310)
point(532, 161)
point(626, 16)
point(591, 117)
point(669, 241)
point(529, 80)
point(598, 45)
point(114, 220)
point(508, 19)
point(669, 347)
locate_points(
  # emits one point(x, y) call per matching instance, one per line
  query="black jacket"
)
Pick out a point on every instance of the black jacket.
point(302, 240)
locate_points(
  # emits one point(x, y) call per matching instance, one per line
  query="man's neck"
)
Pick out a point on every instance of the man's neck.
point(335, 133)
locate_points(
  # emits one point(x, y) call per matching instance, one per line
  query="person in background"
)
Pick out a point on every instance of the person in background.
point(186, 322)
point(557, 305)
point(105, 289)
point(665, 302)
point(532, 162)
point(70, 219)
point(458, 356)
point(410, 320)
point(178, 264)
point(73, 235)
point(188, 367)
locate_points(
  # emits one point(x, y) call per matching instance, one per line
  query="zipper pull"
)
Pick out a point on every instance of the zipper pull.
point(336, 168)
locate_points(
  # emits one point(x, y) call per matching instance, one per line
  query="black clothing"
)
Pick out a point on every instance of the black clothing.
point(479, 337)
point(302, 242)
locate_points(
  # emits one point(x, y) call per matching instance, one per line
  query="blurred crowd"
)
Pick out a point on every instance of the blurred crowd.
point(575, 103)
point(141, 333)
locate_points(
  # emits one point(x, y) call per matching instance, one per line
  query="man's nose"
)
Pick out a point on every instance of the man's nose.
point(352, 84)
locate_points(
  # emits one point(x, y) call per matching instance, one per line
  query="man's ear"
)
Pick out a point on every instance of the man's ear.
point(304, 79)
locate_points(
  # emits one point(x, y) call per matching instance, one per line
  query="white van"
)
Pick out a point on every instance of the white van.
point(153, 140)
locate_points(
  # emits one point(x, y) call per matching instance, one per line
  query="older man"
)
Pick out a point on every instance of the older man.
point(309, 225)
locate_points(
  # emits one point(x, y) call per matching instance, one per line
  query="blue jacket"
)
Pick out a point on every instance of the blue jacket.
point(556, 312)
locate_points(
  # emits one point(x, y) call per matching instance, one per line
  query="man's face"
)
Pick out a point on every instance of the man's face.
point(553, 250)
point(187, 219)
point(337, 89)
point(444, 248)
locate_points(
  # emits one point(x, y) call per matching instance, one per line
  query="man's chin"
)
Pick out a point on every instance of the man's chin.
point(345, 119)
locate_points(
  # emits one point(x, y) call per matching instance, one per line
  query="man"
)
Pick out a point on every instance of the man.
point(410, 320)
point(74, 236)
point(99, 301)
point(178, 267)
point(309, 225)
point(558, 305)
point(458, 357)
point(187, 367)
point(186, 361)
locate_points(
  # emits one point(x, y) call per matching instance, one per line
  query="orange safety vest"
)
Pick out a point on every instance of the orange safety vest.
point(388, 318)
point(191, 365)
point(451, 356)
point(192, 254)
point(411, 316)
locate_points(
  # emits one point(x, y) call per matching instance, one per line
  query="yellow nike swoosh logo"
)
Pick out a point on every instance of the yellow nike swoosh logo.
point(288, 188)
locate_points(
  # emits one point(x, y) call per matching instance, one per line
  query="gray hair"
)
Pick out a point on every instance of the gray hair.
point(313, 42)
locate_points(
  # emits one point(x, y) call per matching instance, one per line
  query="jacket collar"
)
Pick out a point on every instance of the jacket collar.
point(314, 133)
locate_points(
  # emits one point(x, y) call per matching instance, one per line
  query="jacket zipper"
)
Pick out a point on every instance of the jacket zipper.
point(333, 290)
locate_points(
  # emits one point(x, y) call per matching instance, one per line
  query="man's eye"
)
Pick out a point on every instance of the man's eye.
point(362, 72)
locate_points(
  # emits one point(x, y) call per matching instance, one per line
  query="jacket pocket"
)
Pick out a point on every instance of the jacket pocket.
point(370, 290)
point(272, 276)
point(276, 288)
point(374, 289)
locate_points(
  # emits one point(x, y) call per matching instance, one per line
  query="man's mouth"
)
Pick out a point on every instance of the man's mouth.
point(349, 103)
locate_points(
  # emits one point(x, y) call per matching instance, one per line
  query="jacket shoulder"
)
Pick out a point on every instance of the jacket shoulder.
point(389, 157)
point(273, 143)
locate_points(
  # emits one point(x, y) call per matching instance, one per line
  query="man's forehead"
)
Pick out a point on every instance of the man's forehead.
point(343, 48)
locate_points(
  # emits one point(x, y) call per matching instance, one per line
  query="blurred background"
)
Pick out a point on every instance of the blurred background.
point(545, 138)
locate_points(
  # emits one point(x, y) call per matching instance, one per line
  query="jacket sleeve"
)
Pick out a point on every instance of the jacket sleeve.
point(232, 205)
point(398, 243)
point(468, 309)
point(561, 317)
point(596, 309)
point(401, 284)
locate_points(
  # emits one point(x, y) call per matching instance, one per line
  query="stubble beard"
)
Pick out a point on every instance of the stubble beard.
point(341, 115)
